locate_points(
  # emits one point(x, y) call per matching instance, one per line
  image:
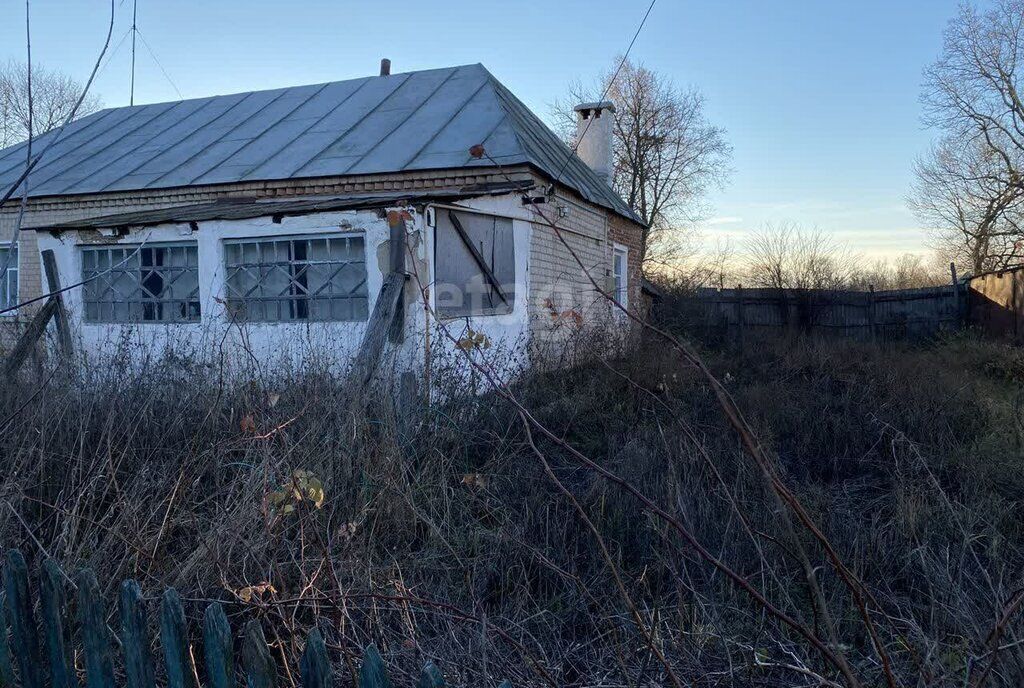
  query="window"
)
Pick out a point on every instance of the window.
point(8, 279)
point(280, 280)
point(620, 274)
point(151, 283)
point(474, 264)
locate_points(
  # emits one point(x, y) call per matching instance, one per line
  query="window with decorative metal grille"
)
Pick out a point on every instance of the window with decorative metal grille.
point(8, 278)
point(152, 283)
point(297, 278)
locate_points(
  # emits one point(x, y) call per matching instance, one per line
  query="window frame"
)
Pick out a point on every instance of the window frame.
point(621, 292)
point(231, 300)
point(502, 308)
point(138, 248)
point(14, 267)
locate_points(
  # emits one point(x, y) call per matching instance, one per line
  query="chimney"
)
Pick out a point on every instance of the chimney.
point(385, 67)
point(595, 124)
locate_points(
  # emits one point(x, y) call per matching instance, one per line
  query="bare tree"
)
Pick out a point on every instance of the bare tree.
point(54, 96)
point(908, 271)
point(969, 188)
point(786, 256)
point(973, 214)
point(667, 154)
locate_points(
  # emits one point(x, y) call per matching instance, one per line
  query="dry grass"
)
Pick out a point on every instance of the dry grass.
point(444, 538)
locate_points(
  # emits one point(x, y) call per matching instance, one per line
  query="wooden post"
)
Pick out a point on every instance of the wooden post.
point(313, 665)
point(373, 674)
point(740, 315)
point(138, 660)
point(61, 314)
point(99, 658)
point(22, 621)
point(219, 648)
point(871, 311)
point(174, 636)
point(56, 630)
point(27, 340)
point(430, 677)
point(956, 294)
point(7, 679)
point(397, 228)
point(259, 665)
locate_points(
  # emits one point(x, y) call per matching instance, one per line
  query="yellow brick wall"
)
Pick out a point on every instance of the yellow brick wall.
point(559, 286)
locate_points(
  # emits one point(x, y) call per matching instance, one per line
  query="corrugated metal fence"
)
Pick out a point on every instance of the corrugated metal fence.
point(889, 315)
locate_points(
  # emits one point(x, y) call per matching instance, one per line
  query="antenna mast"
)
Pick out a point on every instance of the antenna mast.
point(131, 91)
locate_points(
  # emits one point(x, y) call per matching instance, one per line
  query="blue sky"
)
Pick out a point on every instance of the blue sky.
point(820, 98)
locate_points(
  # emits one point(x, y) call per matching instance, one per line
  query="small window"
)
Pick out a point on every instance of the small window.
point(620, 274)
point(475, 264)
point(9, 277)
point(151, 283)
point(281, 280)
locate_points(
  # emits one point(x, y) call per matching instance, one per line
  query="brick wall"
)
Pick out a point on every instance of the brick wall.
point(557, 281)
point(629, 234)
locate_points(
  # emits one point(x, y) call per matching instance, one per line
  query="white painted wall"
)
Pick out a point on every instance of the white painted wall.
point(215, 340)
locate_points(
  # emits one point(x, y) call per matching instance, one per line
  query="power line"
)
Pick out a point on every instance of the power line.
point(607, 88)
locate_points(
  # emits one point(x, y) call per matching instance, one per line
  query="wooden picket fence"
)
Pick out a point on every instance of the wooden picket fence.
point(98, 642)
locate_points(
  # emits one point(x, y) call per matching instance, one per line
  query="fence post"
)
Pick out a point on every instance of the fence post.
point(430, 677)
point(956, 295)
point(99, 660)
point(259, 665)
point(739, 315)
point(21, 620)
point(174, 636)
point(138, 661)
point(53, 605)
point(373, 674)
point(871, 310)
point(6, 669)
point(313, 665)
point(218, 648)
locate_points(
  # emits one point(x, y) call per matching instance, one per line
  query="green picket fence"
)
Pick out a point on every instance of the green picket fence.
point(98, 642)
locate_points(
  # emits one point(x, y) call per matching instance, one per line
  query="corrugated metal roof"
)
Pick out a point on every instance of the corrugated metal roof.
point(244, 208)
point(413, 121)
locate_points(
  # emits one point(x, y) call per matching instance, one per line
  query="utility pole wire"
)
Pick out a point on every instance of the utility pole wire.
point(608, 87)
point(31, 162)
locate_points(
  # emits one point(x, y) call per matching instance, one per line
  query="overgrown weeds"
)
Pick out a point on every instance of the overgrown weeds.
point(439, 534)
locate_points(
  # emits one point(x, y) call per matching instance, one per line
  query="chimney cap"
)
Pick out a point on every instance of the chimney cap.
point(385, 67)
point(598, 106)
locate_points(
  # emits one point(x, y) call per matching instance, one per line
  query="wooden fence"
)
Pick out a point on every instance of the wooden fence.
point(868, 315)
point(27, 667)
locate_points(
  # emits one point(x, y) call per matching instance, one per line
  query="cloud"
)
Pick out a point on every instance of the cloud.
point(727, 220)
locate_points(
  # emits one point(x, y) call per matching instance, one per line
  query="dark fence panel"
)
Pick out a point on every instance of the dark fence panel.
point(890, 315)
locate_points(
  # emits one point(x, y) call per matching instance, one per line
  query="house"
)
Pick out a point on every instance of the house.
point(363, 215)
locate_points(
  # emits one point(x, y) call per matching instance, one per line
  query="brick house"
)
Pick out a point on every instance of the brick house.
point(271, 219)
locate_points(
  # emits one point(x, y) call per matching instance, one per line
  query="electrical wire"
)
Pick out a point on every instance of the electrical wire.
point(607, 88)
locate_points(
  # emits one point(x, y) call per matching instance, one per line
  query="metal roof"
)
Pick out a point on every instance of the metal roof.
point(244, 208)
point(413, 121)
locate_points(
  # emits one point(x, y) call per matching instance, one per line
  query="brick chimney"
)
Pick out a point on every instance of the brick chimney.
point(595, 125)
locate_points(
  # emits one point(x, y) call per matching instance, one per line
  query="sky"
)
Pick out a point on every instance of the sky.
point(820, 98)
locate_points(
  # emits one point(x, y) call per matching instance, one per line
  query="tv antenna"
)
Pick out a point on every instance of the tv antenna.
point(135, 30)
